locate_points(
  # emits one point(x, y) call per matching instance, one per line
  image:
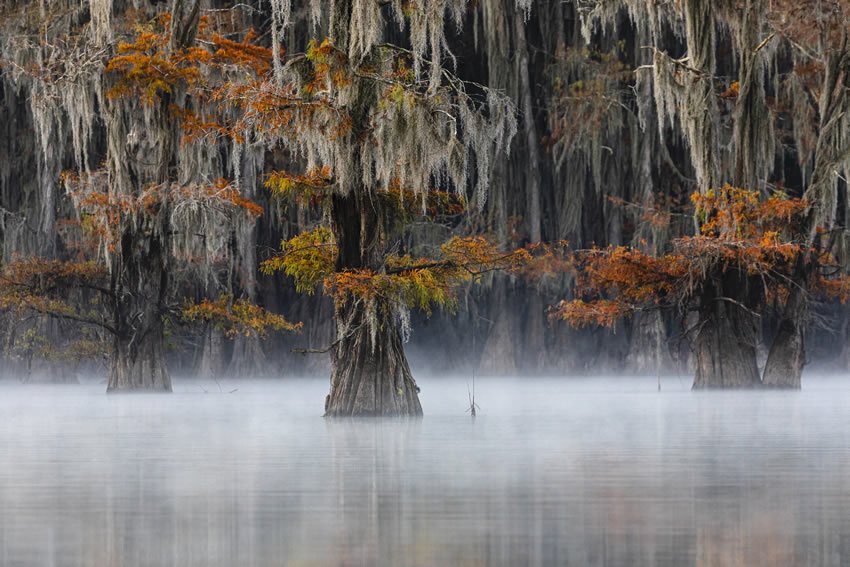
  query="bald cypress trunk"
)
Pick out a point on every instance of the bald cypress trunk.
point(369, 375)
point(726, 340)
point(138, 360)
point(140, 284)
point(142, 156)
point(532, 140)
point(787, 356)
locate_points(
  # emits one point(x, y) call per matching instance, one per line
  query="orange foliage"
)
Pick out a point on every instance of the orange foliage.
point(731, 213)
point(41, 286)
point(238, 317)
point(145, 69)
point(732, 91)
point(836, 288)
point(738, 231)
point(148, 68)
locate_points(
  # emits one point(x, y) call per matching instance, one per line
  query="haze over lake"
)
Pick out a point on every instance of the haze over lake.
point(551, 472)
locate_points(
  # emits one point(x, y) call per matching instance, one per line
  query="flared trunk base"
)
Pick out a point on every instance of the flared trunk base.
point(784, 368)
point(726, 348)
point(370, 375)
point(139, 368)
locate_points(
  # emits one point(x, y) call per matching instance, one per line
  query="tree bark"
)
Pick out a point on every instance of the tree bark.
point(648, 349)
point(726, 341)
point(532, 140)
point(784, 368)
point(140, 284)
point(212, 360)
point(369, 374)
point(844, 340)
point(138, 362)
point(248, 358)
point(787, 356)
point(498, 357)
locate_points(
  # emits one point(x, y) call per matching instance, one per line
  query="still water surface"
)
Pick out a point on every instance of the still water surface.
point(552, 472)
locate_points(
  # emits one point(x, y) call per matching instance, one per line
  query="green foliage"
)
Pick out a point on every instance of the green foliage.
point(308, 258)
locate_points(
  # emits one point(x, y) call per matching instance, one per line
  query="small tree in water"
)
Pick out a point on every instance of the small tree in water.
point(380, 126)
point(747, 248)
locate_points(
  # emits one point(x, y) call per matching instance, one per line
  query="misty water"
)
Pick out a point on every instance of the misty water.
point(551, 472)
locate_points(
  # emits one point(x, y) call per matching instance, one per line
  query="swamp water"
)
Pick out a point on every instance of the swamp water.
point(551, 472)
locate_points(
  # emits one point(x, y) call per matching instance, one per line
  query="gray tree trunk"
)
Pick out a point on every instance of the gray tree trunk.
point(369, 374)
point(138, 363)
point(140, 280)
point(532, 140)
point(726, 341)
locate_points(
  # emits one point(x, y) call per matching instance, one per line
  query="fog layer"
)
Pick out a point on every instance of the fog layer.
point(551, 472)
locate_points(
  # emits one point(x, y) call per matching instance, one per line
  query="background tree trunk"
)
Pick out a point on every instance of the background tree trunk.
point(498, 357)
point(648, 348)
point(844, 340)
point(787, 356)
point(784, 368)
point(532, 140)
point(212, 360)
point(248, 358)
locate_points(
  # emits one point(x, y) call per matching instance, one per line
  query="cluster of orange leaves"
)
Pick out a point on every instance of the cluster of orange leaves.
point(289, 110)
point(266, 107)
point(49, 274)
point(730, 213)
point(613, 282)
point(836, 288)
point(738, 231)
point(38, 284)
point(239, 317)
point(148, 68)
